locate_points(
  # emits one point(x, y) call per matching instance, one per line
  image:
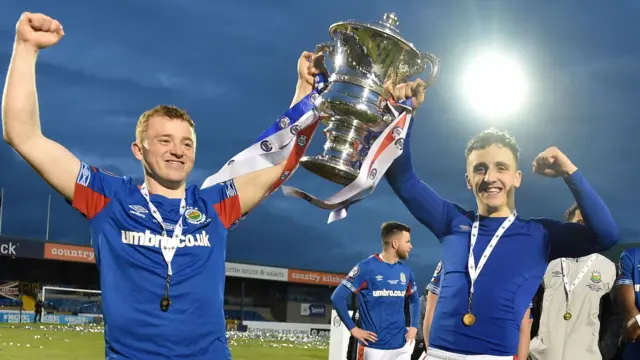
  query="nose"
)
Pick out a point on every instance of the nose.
point(489, 176)
point(177, 151)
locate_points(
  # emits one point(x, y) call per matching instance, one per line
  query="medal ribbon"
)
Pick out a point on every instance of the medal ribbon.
point(168, 245)
point(569, 288)
point(474, 271)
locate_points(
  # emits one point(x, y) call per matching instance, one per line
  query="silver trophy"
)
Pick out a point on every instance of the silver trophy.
point(364, 57)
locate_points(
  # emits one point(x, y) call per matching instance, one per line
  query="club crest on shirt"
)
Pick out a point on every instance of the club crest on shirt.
point(596, 277)
point(403, 278)
point(354, 272)
point(194, 216)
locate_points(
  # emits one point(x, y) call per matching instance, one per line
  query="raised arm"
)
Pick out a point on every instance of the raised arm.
point(599, 231)
point(20, 115)
point(421, 200)
point(254, 186)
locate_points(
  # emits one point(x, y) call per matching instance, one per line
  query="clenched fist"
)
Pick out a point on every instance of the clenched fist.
point(38, 30)
point(553, 163)
point(310, 64)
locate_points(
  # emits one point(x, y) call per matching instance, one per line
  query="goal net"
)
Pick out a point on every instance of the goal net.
point(71, 306)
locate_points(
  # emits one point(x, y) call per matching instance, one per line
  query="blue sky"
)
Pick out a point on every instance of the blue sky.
point(232, 66)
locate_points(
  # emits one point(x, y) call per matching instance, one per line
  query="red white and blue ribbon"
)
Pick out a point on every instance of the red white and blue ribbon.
point(387, 147)
point(286, 139)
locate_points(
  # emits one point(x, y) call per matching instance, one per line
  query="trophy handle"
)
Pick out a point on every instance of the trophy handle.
point(326, 47)
point(435, 67)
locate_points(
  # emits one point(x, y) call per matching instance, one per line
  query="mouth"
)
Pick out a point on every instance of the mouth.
point(175, 163)
point(492, 190)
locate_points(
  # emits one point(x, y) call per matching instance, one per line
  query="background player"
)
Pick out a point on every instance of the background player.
point(433, 289)
point(628, 296)
point(574, 290)
point(153, 308)
point(381, 283)
point(490, 282)
point(420, 348)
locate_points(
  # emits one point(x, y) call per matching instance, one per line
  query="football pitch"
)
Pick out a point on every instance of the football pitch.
point(58, 342)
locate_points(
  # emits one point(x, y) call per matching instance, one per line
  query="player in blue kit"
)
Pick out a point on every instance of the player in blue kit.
point(381, 283)
point(628, 295)
point(160, 247)
point(494, 260)
point(433, 289)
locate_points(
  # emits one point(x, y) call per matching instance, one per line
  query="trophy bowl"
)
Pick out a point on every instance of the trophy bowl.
point(364, 57)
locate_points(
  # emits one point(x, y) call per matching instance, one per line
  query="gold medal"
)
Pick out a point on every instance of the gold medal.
point(468, 319)
point(567, 316)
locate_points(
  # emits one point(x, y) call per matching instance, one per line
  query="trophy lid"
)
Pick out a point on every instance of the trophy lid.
point(387, 26)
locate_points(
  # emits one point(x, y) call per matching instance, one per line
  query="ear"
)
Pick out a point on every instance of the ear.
point(468, 181)
point(136, 149)
point(518, 179)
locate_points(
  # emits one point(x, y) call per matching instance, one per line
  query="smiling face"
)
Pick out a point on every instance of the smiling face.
point(492, 172)
point(165, 144)
point(493, 176)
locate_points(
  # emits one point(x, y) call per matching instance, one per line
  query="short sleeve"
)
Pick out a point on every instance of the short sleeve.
point(434, 284)
point(625, 269)
point(224, 199)
point(356, 280)
point(411, 285)
point(94, 189)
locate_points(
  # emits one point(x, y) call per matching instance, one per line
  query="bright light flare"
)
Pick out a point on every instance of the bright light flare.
point(495, 85)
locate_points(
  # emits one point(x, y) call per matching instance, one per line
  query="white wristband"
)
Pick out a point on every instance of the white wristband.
point(631, 321)
point(638, 319)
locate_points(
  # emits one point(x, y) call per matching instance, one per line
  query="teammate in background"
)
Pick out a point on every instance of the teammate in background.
point(490, 283)
point(433, 290)
point(419, 348)
point(628, 296)
point(155, 305)
point(381, 283)
point(574, 290)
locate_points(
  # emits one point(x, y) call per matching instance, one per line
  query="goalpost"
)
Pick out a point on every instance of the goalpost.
point(71, 306)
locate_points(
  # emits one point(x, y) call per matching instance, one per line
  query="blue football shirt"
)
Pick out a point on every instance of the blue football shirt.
point(381, 289)
point(133, 272)
point(434, 285)
point(513, 272)
point(629, 274)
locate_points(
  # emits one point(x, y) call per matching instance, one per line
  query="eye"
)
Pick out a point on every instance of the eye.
point(164, 141)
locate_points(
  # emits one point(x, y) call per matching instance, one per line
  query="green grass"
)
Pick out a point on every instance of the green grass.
point(59, 342)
